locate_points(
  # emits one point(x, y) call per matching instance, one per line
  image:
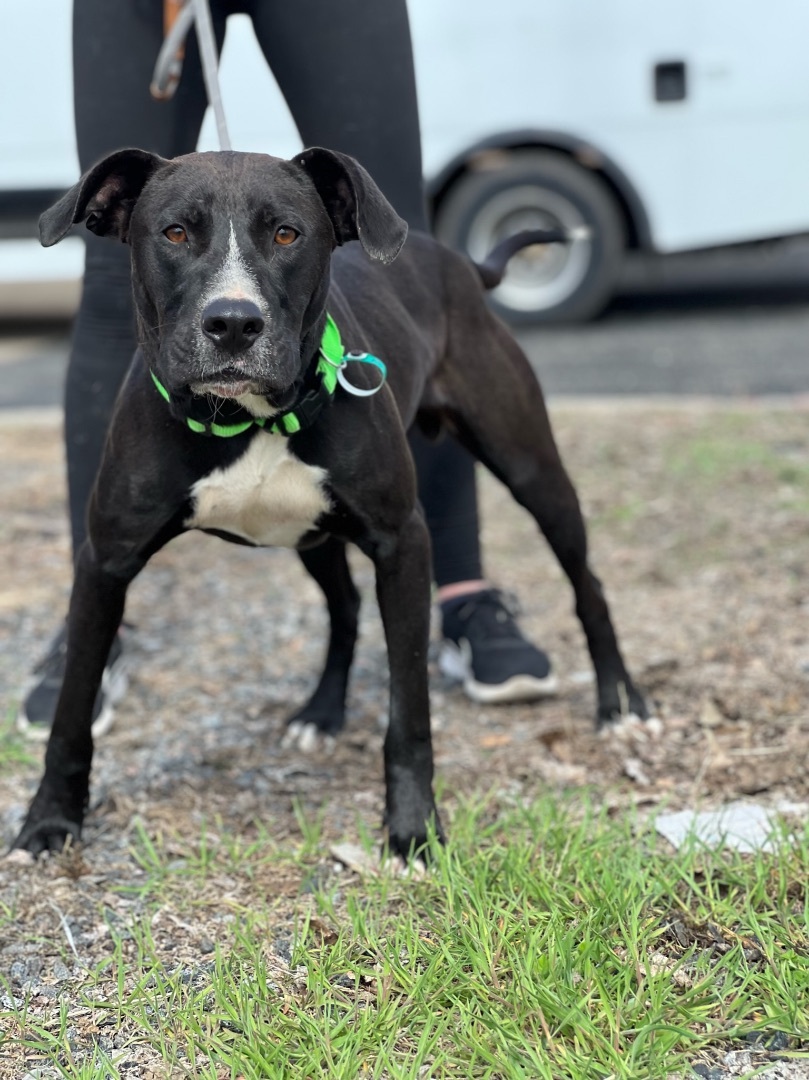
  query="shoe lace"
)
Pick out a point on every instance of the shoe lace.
point(491, 614)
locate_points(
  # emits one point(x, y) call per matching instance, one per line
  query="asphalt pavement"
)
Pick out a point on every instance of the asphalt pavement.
point(734, 322)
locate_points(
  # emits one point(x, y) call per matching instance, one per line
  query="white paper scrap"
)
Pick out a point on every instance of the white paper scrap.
point(742, 826)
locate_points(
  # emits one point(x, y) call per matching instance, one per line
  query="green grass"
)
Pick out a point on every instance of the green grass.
point(547, 942)
point(15, 750)
point(726, 452)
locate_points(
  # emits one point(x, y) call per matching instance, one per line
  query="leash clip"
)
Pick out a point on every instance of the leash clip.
point(360, 358)
point(178, 16)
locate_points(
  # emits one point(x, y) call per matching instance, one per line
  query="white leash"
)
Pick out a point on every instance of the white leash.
point(169, 66)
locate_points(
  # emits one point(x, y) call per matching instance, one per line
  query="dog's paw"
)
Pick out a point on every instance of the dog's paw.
point(307, 738)
point(397, 866)
point(43, 834)
point(621, 703)
point(328, 721)
point(410, 842)
point(632, 729)
point(376, 863)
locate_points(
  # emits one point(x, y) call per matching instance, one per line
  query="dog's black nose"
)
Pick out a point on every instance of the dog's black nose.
point(233, 325)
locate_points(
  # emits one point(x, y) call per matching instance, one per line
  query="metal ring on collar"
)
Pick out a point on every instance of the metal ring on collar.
point(361, 358)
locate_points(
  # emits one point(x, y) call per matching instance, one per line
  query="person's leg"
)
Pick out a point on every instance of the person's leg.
point(347, 74)
point(483, 647)
point(447, 491)
point(115, 46)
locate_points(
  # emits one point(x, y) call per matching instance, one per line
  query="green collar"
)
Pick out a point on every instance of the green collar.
point(332, 359)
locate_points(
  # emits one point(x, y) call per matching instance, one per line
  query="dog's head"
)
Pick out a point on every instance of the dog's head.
point(230, 257)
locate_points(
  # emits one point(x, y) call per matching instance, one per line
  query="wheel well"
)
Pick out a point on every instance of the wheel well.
point(634, 217)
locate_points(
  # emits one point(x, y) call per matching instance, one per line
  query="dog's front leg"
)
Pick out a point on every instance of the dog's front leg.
point(403, 589)
point(96, 610)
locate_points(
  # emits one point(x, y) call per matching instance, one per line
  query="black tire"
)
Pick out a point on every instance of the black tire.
point(538, 189)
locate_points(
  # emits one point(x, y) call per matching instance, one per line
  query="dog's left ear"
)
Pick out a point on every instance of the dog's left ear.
point(357, 208)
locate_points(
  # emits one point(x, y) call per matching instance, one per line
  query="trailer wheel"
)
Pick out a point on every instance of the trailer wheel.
point(538, 189)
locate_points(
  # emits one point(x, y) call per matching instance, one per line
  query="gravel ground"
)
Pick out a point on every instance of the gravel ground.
point(698, 525)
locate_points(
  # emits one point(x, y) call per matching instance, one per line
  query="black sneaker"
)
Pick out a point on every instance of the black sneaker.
point(484, 649)
point(41, 693)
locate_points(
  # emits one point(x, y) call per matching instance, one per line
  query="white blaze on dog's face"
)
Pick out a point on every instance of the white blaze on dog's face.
point(234, 280)
point(233, 284)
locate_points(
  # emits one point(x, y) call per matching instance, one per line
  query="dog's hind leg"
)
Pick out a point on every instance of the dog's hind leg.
point(498, 411)
point(324, 712)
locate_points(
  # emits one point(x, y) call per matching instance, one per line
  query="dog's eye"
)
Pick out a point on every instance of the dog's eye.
point(176, 233)
point(285, 235)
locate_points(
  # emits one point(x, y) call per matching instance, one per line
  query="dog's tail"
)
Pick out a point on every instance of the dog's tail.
point(493, 268)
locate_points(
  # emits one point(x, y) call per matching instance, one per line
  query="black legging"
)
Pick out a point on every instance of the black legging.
point(346, 72)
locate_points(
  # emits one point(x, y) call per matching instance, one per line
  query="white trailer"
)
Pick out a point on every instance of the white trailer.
point(664, 125)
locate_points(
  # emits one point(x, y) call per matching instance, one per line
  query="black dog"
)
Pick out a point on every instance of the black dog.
point(236, 288)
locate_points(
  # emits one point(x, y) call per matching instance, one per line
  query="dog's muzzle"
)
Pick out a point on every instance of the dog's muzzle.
point(227, 384)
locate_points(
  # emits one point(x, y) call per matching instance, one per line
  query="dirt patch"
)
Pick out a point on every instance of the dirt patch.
point(698, 528)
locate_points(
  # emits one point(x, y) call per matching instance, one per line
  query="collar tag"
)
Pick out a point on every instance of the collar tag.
point(361, 358)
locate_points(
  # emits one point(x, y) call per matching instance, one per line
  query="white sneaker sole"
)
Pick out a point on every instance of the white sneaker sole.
point(454, 661)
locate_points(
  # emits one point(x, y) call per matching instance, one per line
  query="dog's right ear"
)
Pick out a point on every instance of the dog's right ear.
point(104, 197)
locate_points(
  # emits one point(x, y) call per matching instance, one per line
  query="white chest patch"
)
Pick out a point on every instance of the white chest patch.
point(268, 496)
